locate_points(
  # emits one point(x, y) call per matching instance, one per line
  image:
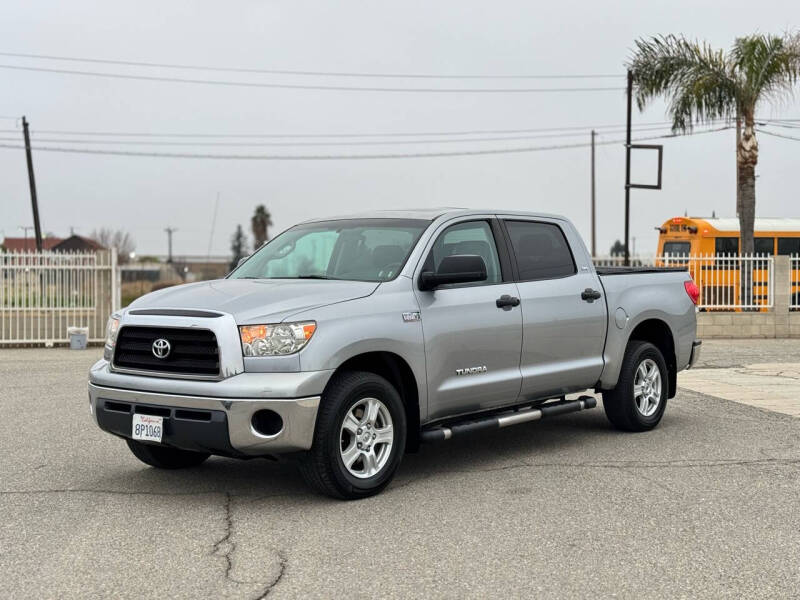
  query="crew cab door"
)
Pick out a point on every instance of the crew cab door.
point(564, 315)
point(472, 345)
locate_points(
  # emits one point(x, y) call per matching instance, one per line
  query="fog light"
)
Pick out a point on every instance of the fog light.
point(266, 422)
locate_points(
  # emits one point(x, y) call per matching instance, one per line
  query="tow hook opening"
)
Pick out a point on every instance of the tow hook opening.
point(266, 423)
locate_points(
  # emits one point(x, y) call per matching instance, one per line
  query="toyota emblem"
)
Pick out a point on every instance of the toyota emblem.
point(161, 348)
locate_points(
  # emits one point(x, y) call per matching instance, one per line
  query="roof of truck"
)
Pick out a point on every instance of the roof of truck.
point(429, 214)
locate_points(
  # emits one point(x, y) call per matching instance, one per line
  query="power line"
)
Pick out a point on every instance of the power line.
point(128, 142)
point(132, 63)
point(318, 157)
point(779, 124)
point(580, 128)
point(779, 135)
point(301, 86)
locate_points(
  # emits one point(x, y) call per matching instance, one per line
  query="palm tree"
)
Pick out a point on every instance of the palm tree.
point(260, 224)
point(702, 84)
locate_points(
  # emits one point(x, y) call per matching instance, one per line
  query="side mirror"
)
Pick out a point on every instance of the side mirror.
point(463, 268)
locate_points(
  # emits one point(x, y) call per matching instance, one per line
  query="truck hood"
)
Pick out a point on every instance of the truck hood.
point(257, 300)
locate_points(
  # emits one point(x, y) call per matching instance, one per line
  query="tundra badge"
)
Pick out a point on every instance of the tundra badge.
point(472, 370)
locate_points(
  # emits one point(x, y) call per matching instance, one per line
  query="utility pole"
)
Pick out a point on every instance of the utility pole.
point(170, 231)
point(25, 228)
point(594, 223)
point(32, 184)
point(628, 171)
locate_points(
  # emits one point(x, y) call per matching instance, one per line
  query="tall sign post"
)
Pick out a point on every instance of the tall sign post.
point(628, 185)
point(32, 183)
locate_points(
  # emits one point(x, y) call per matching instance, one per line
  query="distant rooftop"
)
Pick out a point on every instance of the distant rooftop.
point(761, 224)
point(56, 244)
point(21, 244)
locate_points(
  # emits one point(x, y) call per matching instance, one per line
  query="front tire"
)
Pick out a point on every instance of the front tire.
point(165, 457)
point(638, 401)
point(359, 439)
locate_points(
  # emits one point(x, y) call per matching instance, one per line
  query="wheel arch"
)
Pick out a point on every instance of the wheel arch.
point(396, 370)
point(658, 333)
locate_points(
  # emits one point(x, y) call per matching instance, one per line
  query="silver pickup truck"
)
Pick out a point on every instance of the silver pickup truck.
point(346, 342)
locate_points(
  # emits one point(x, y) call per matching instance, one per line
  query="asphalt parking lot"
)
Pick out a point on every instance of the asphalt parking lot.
point(707, 505)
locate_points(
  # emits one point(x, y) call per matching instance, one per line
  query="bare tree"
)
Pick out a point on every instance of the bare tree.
point(119, 239)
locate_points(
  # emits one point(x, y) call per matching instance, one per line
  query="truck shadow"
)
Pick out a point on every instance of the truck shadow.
point(567, 438)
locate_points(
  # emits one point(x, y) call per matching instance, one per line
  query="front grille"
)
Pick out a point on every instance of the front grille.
point(192, 351)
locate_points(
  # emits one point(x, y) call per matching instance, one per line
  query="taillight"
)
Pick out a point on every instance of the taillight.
point(692, 289)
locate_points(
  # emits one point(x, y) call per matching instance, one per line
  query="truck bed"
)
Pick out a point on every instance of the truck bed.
point(633, 270)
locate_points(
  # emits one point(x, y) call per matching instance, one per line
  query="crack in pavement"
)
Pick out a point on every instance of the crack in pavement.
point(225, 539)
point(282, 564)
point(226, 547)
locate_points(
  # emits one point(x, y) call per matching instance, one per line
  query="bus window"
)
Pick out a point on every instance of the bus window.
point(677, 248)
point(762, 245)
point(726, 245)
point(789, 246)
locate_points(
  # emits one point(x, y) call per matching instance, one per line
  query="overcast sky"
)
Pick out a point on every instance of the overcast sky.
point(144, 195)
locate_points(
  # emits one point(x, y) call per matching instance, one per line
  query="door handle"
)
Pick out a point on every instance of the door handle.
point(590, 295)
point(506, 301)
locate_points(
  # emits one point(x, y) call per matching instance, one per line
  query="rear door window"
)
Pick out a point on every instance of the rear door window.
point(541, 250)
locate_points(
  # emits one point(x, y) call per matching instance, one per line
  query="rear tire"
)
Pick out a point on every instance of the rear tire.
point(359, 439)
point(165, 457)
point(638, 401)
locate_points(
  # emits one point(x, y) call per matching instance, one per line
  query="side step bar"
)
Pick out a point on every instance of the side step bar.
point(563, 407)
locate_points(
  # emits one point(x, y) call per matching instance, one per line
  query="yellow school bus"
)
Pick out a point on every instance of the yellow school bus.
point(703, 244)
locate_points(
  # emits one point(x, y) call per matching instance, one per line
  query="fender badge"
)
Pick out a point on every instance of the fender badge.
point(410, 317)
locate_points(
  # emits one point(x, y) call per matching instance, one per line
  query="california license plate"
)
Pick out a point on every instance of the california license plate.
point(147, 428)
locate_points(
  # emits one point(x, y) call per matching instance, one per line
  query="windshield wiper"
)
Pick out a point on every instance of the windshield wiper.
point(312, 277)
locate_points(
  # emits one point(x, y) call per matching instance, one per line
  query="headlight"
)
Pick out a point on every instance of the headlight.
point(112, 327)
point(277, 339)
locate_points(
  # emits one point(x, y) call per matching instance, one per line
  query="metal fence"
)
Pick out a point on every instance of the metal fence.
point(726, 282)
point(44, 293)
point(619, 261)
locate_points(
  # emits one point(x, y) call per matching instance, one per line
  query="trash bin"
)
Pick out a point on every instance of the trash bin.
point(78, 337)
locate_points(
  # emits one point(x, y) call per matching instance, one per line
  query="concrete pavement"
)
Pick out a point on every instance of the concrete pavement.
point(705, 505)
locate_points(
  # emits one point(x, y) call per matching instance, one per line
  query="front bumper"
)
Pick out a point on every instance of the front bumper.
point(215, 425)
point(695, 355)
point(212, 416)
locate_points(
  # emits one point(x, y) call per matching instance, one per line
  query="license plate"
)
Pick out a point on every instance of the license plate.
point(147, 428)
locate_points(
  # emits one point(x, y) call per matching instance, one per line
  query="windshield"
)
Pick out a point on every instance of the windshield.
point(354, 249)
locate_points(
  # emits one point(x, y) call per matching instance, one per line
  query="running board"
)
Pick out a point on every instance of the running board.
point(563, 407)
